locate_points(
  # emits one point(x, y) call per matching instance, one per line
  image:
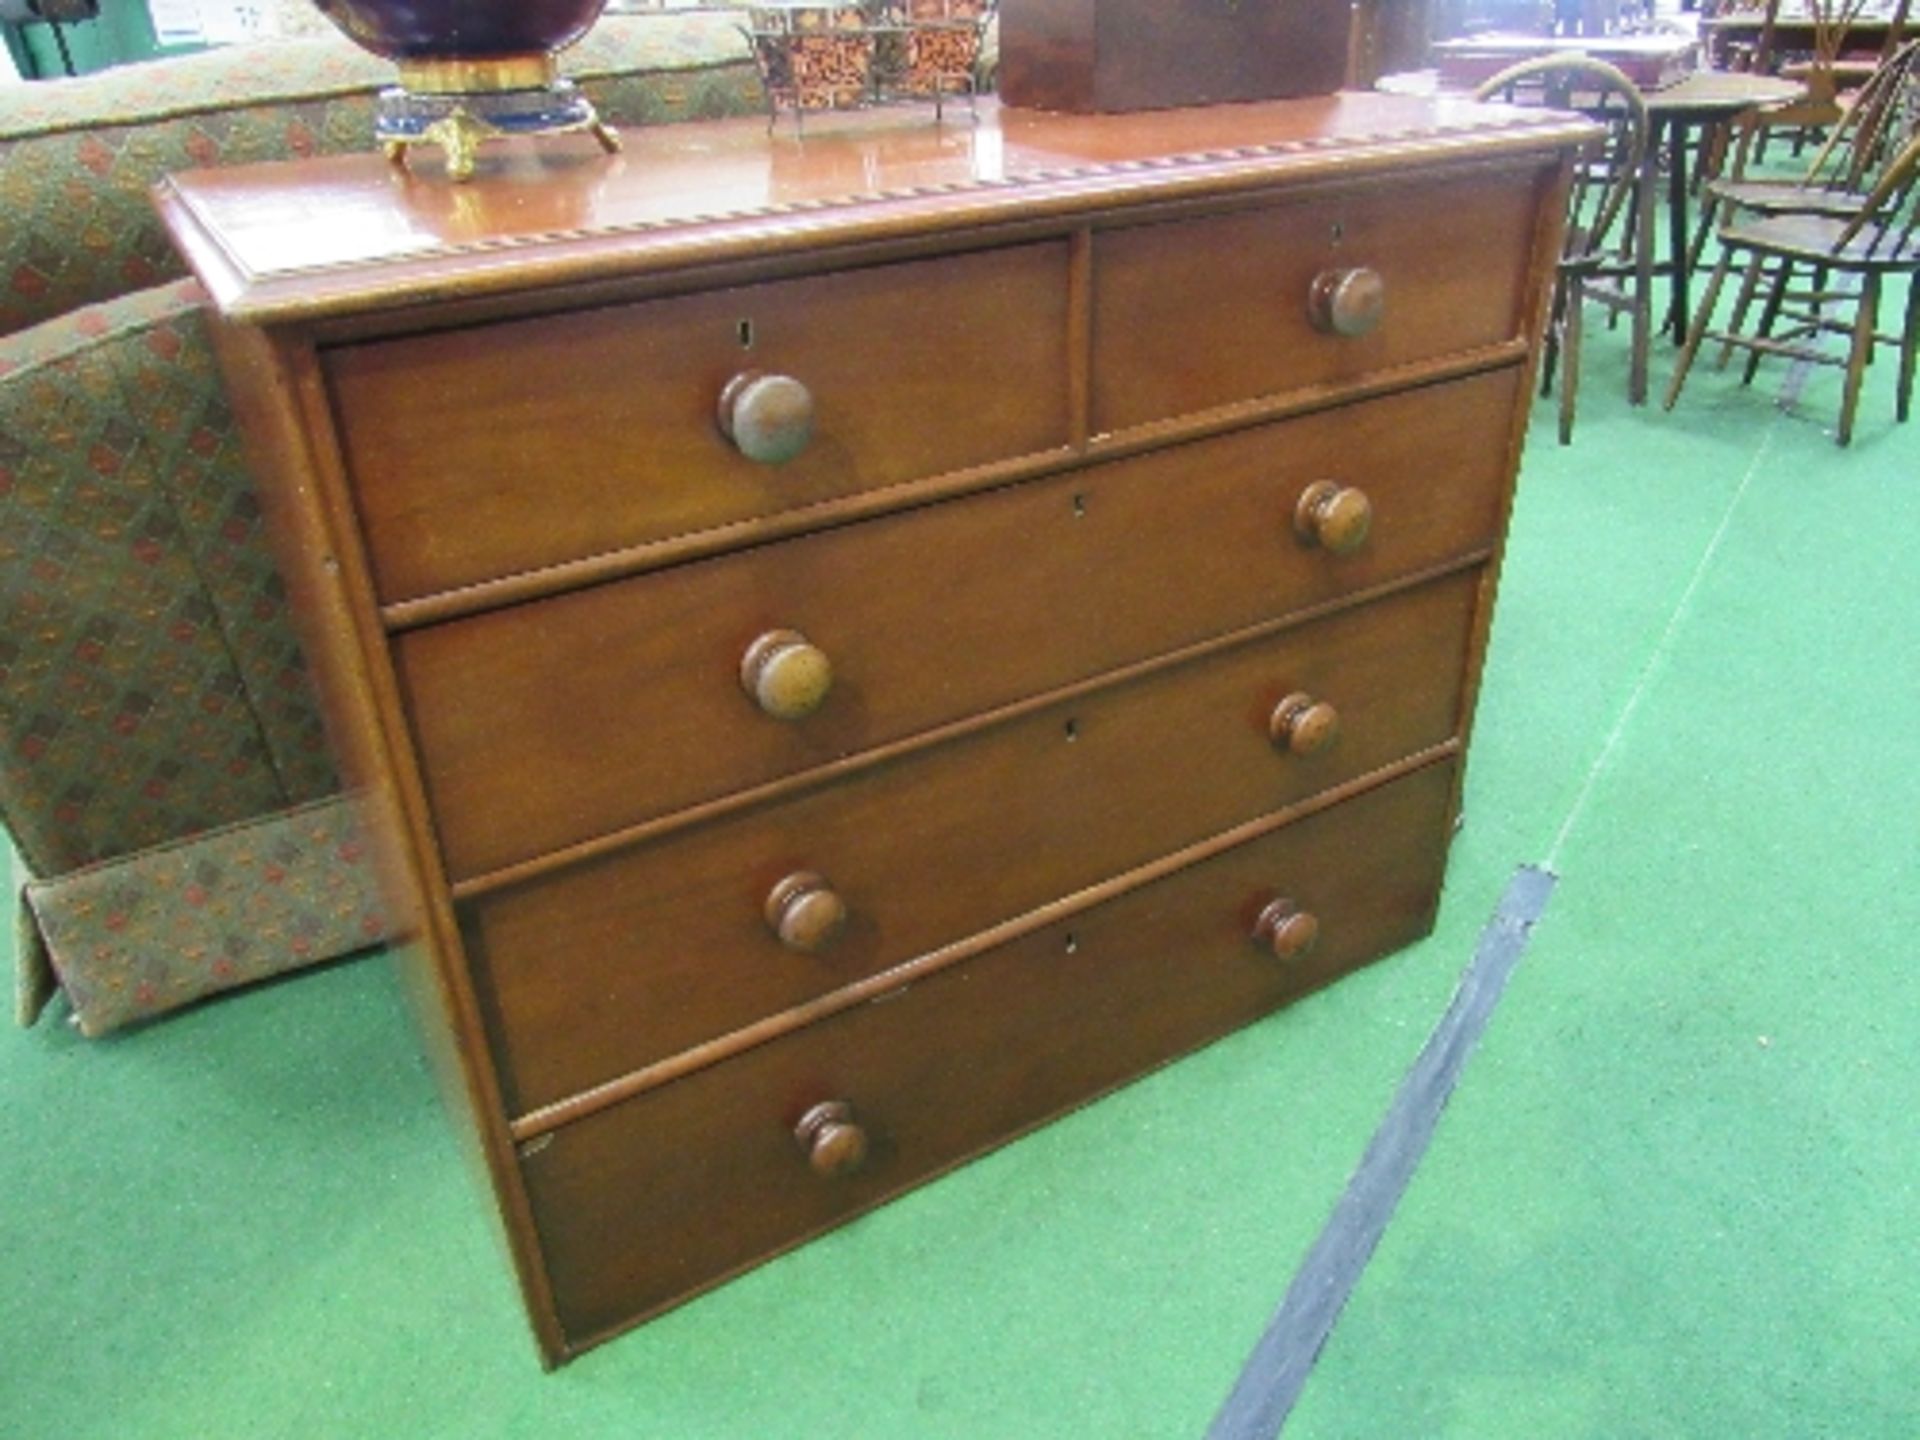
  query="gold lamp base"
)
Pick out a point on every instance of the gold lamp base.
point(460, 104)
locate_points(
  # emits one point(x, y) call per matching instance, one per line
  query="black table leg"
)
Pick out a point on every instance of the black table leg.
point(1677, 237)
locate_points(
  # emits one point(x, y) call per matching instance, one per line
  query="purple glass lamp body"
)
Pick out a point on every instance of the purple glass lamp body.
point(414, 30)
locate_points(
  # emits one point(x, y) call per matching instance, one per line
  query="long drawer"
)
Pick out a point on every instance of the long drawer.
point(613, 965)
point(569, 435)
point(670, 1191)
point(1192, 314)
point(549, 723)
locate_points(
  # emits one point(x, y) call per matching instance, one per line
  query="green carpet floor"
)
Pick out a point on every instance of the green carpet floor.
point(1675, 1195)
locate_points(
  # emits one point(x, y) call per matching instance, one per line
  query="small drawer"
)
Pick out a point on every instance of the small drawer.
point(547, 724)
point(1193, 314)
point(612, 965)
point(475, 455)
point(653, 1199)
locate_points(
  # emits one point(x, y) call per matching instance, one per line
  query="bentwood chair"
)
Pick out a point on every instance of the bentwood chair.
point(1600, 257)
point(1866, 249)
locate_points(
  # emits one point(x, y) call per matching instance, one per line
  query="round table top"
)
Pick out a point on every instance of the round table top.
point(1720, 92)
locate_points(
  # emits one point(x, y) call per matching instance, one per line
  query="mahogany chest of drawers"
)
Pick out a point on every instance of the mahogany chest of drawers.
point(857, 644)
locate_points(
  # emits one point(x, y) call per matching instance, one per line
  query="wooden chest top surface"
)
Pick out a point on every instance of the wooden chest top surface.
point(541, 214)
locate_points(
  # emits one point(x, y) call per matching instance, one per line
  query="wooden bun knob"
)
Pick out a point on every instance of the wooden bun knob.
point(786, 674)
point(769, 418)
point(1335, 517)
point(805, 913)
point(1347, 302)
point(1303, 725)
point(1287, 930)
point(830, 1140)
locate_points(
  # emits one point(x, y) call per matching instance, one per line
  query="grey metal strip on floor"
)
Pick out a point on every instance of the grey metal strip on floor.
point(1277, 1370)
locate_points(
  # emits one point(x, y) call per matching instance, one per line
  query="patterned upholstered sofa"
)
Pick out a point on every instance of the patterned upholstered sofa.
point(163, 774)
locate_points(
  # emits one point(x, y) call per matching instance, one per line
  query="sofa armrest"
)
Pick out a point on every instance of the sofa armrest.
point(151, 685)
point(163, 767)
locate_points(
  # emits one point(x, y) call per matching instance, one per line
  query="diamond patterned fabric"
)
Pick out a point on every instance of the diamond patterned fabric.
point(134, 938)
point(150, 686)
point(173, 395)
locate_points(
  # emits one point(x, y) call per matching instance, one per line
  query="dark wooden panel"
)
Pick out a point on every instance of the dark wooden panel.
point(554, 722)
point(613, 965)
point(481, 454)
point(1191, 314)
point(665, 1194)
point(1118, 55)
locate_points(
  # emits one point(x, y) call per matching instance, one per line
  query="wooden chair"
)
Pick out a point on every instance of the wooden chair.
point(1877, 122)
point(1842, 175)
point(1850, 65)
point(1722, 53)
point(1600, 256)
point(1817, 67)
point(1878, 241)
